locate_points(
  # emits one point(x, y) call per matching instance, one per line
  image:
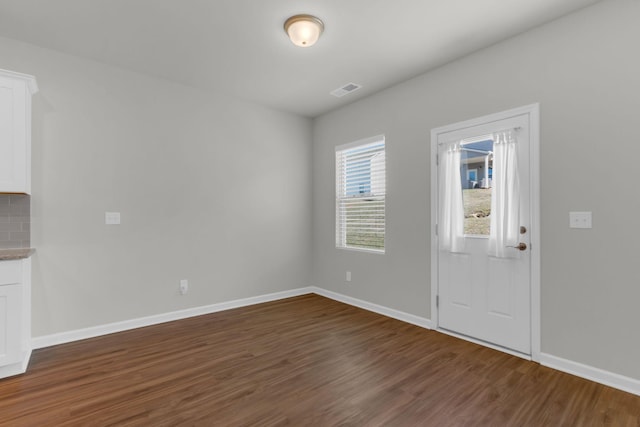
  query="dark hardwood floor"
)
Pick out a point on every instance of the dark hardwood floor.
point(301, 361)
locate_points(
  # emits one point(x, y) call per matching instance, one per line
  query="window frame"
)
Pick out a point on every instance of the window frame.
point(341, 195)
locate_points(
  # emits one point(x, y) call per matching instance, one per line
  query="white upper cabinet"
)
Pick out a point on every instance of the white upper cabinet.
point(15, 131)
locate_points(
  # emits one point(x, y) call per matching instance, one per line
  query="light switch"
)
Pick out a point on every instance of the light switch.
point(112, 218)
point(579, 219)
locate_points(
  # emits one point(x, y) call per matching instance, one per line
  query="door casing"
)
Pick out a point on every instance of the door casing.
point(533, 112)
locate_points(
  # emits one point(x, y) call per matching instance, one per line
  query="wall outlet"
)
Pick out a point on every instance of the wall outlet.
point(112, 218)
point(184, 286)
point(348, 276)
point(580, 220)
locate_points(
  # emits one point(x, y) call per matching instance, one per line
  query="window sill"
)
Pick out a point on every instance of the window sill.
point(368, 251)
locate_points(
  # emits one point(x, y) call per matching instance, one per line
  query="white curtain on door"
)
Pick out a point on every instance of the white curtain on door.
point(505, 196)
point(451, 227)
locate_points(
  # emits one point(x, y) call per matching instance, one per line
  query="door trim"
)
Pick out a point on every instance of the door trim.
point(533, 111)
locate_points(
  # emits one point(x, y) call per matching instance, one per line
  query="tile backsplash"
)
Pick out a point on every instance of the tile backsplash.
point(15, 221)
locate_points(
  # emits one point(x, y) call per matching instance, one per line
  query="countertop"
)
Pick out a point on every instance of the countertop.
point(9, 254)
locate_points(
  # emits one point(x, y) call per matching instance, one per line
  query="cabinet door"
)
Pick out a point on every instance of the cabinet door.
point(14, 150)
point(10, 323)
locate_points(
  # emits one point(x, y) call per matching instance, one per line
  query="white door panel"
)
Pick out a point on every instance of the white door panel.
point(501, 297)
point(460, 278)
point(480, 296)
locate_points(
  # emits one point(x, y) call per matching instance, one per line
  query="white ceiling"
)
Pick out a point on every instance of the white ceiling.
point(239, 46)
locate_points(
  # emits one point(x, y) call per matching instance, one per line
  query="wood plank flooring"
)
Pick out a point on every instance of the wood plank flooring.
point(304, 361)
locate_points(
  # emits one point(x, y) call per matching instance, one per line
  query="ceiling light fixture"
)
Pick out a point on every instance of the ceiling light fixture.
point(303, 30)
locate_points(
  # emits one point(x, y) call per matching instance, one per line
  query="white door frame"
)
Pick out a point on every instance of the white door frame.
point(533, 111)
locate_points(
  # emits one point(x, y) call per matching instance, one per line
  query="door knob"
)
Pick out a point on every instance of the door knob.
point(521, 246)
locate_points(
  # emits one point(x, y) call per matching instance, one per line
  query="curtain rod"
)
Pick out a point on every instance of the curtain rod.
point(481, 137)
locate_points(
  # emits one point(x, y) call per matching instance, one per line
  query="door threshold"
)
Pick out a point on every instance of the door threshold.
point(485, 343)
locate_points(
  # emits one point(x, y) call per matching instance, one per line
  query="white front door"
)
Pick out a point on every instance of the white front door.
point(479, 295)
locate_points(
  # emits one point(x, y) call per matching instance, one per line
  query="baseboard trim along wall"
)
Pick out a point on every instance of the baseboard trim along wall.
point(380, 309)
point(111, 328)
point(607, 378)
point(16, 368)
point(630, 385)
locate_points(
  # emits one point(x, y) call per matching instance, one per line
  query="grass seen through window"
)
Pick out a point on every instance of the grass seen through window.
point(477, 207)
point(365, 223)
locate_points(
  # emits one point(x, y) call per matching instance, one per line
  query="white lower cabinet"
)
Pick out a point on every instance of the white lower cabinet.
point(15, 333)
point(10, 324)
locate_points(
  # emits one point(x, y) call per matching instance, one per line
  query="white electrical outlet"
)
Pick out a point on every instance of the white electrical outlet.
point(112, 218)
point(348, 276)
point(580, 220)
point(184, 286)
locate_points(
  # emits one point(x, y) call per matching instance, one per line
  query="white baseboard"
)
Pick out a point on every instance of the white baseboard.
point(11, 370)
point(601, 376)
point(385, 311)
point(110, 328)
point(16, 368)
point(611, 379)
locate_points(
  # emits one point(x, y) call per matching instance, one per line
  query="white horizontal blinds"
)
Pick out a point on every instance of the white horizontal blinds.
point(360, 195)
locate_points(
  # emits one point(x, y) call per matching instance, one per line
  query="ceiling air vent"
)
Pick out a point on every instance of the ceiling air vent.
point(342, 91)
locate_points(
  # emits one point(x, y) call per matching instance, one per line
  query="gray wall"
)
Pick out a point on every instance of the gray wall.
point(210, 188)
point(583, 69)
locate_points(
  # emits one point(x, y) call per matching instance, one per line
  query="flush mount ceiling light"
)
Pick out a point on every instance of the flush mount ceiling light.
point(303, 30)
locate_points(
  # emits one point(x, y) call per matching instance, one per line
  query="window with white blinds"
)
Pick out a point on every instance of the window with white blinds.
point(360, 195)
